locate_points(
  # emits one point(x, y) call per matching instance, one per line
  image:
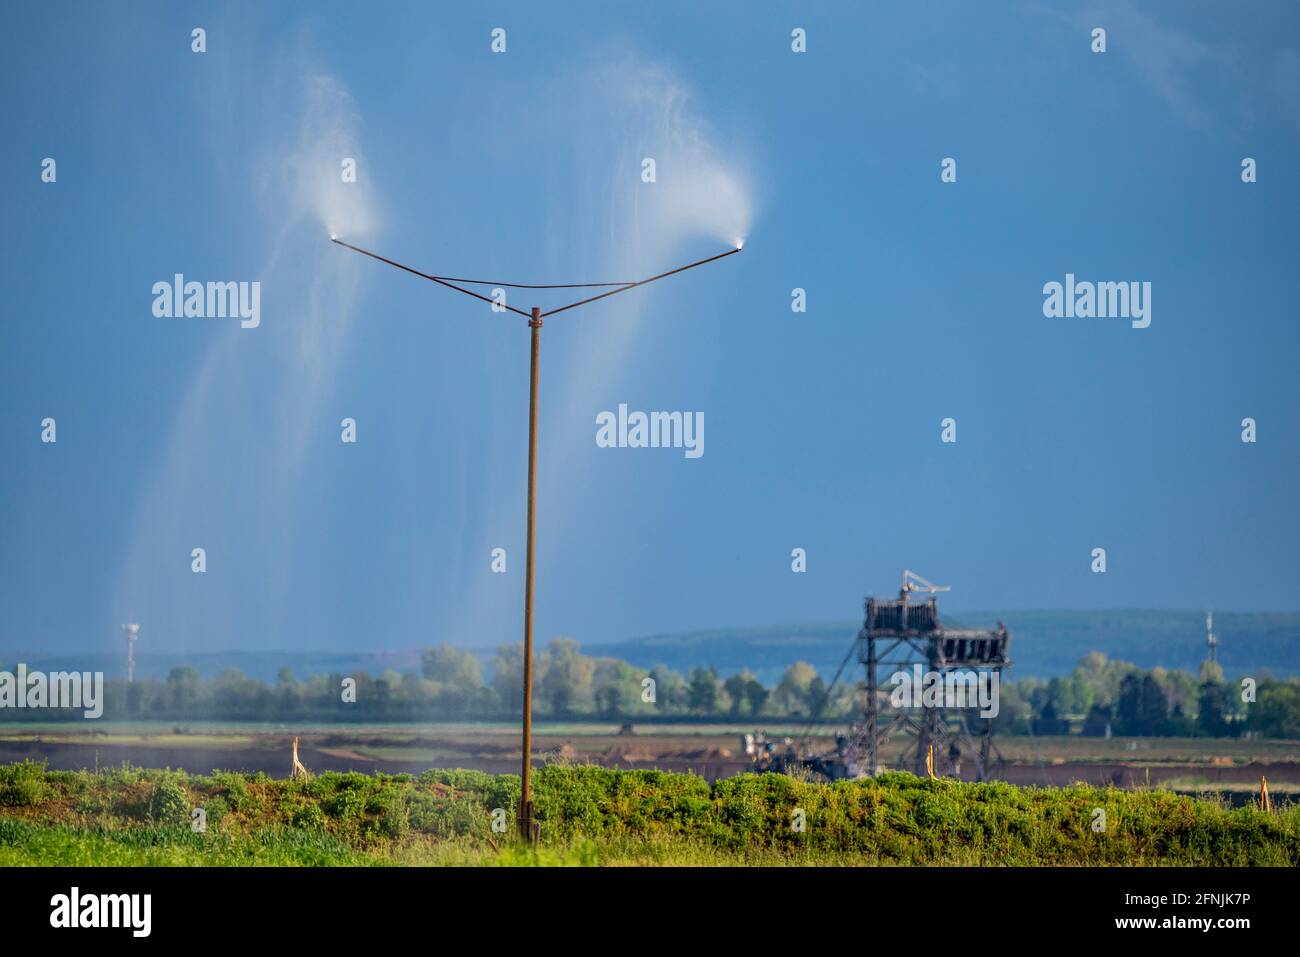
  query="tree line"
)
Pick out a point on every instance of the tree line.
point(1100, 696)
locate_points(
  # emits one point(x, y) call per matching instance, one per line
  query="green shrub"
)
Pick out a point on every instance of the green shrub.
point(215, 809)
point(234, 789)
point(651, 816)
point(344, 805)
point(387, 815)
point(23, 784)
point(168, 803)
point(449, 818)
point(308, 817)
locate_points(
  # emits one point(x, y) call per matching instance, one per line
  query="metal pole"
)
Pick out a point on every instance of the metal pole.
point(527, 830)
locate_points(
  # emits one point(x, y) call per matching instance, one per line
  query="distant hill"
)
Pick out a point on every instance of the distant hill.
point(1043, 643)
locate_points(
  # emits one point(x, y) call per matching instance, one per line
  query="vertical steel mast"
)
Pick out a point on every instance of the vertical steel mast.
point(527, 828)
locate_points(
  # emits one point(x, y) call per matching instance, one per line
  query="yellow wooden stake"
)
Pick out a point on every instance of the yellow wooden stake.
point(1265, 801)
point(929, 761)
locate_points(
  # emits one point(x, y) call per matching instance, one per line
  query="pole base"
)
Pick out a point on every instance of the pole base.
point(529, 829)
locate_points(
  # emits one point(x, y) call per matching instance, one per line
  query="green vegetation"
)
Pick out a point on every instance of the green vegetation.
point(168, 803)
point(1099, 694)
point(22, 784)
point(592, 815)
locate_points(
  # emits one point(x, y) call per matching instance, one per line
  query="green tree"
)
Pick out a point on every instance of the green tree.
point(1276, 711)
point(615, 687)
point(566, 682)
point(792, 693)
point(1211, 671)
point(738, 691)
point(703, 694)
point(672, 693)
point(1143, 708)
point(1128, 709)
point(1049, 720)
point(1155, 706)
point(453, 667)
point(1213, 708)
point(182, 689)
point(508, 676)
point(818, 697)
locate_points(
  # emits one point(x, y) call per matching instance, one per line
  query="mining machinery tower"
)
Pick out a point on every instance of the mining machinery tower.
point(899, 634)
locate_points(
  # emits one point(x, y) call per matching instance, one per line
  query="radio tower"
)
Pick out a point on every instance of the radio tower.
point(132, 633)
point(1211, 640)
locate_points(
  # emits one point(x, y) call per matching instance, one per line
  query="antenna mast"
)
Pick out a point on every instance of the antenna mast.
point(132, 633)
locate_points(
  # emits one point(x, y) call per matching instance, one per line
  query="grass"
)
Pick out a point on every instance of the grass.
point(599, 816)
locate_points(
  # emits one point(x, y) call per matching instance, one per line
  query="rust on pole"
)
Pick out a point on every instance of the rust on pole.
point(527, 829)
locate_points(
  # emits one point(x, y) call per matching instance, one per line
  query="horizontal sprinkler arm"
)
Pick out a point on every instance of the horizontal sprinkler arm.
point(633, 285)
point(438, 279)
point(450, 282)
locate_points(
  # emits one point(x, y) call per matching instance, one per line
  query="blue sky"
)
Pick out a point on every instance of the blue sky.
point(822, 428)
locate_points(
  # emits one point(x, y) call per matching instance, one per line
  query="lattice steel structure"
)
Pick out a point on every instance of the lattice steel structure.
point(899, 635)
